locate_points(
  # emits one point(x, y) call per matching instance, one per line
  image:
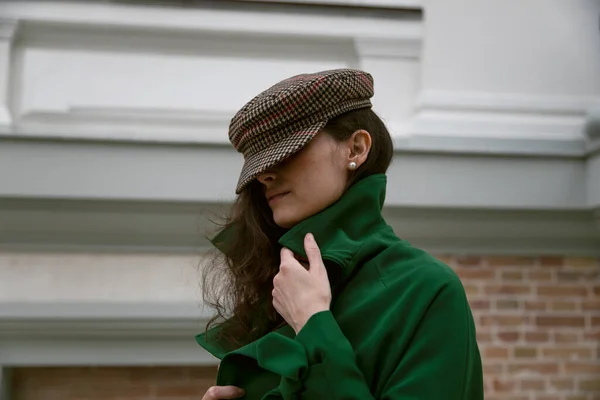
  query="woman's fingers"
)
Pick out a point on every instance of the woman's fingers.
point(223, 392)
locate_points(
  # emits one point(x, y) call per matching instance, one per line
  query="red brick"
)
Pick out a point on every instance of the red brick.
point(512, 275)
point(581, 262)
point(525, 352)
point(552, 261)
point(507, 304)
point(535, 305)
point(568, 353)
point(562, 290)
point(111, 383)
point(508, 336)
point(507, 261)
point(590, 386)
point(591, 368)
point(492, 369)
point(538, 275)
point(590, 305)
point(468, 261)
point(533, 385)
point(543, 368)
point(471, 290)
point(537, 337)
point(495, 352)
point(560, 321)
point(507, 289)
point(180, 391)
point(475, 273)
point(593, 335)
point(564, 306)
point(578, 275)
point(504, 320)
point(480, 304)
point(504, 385)
point(483, 337)
point(566, 337)
point(561, 383)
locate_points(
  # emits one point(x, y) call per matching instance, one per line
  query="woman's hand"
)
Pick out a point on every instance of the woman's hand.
point(298, 293)
point(223, 392)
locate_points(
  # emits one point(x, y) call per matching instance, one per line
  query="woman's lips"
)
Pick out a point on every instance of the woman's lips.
point(277, 197)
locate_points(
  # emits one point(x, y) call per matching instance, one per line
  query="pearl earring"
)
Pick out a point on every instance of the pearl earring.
point(352, 165)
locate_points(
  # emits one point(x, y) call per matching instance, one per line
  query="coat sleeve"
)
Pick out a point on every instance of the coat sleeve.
point(442, 362)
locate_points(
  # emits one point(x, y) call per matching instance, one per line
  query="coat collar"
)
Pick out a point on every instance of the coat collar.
point(342, 229)
point(347, 233)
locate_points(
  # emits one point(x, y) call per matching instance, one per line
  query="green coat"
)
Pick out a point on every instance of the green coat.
point(399, 326)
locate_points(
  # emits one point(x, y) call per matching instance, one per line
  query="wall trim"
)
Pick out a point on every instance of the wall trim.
point(474, 114)
point(101, 334)
point(207, 129)
point(175, 19)
point(39, 169)
point(45, 320)
point(506, 102)
point(182, 227)
point(391, 4)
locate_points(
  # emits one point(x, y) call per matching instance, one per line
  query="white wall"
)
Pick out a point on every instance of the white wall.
point(531, 47)
point(105, 107)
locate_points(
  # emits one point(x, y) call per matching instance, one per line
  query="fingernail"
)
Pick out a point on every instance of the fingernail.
point(310, 237)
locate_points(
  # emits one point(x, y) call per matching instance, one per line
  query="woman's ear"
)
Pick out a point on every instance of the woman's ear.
point(360, 146)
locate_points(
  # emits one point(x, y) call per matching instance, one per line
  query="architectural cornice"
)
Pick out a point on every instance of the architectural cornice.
point(174, 19)
point(101, 334)
point(143, 226)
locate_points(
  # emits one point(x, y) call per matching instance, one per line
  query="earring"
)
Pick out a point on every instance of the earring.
point(352, 165)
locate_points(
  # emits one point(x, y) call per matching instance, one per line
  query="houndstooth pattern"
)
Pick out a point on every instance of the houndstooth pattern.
point(284, 118)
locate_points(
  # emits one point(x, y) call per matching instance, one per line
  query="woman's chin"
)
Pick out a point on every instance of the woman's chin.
point(285, 221)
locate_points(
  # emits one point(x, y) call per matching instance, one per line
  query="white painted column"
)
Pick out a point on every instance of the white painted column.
point(498, 68)
point(8, 29)
point(395, 66)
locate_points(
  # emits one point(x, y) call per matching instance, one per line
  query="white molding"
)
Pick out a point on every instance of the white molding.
point(388, 48)
point(180, 228)
point(42, 320)
point(8, 31)
point(101, 334)
point(209, 128)
point(103, 351)
point(110, 171)
point(516, 103)
point(334, 38)
point(126, 124)
point(208, 20)
point(391, 4)
point(492, 115)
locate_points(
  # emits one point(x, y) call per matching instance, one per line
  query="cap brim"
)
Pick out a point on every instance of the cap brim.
point(276, 153)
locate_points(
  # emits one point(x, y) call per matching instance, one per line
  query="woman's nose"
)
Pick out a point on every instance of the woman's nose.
point(266, 177)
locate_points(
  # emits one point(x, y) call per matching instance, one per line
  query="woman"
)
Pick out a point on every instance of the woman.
point(324, 300)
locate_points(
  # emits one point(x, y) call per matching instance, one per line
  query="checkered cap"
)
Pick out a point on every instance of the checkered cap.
point(284, 118)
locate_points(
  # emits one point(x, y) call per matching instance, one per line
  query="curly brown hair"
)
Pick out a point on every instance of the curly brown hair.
point(238, 279)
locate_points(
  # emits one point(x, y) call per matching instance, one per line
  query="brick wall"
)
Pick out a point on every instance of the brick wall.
point(122, 383)
point(538, 324)
point(538, 328)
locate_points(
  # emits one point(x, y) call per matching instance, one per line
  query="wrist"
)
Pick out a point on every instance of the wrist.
point(307, 315)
